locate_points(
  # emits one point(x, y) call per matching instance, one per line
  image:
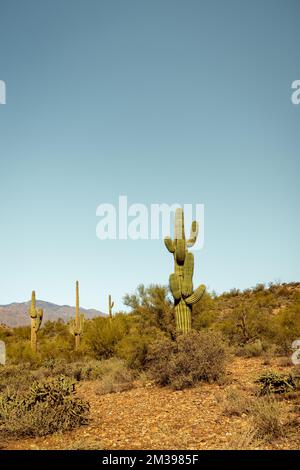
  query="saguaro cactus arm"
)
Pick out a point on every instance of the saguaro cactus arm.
point(196, 296)
point(75, 327)
point(170, 245)
point(193, 235)
point(39, 319)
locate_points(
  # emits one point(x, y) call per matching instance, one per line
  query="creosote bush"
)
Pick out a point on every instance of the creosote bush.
point(194, 357)
point(49, 406)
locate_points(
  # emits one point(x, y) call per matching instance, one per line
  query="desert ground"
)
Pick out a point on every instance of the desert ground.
point(152, 417)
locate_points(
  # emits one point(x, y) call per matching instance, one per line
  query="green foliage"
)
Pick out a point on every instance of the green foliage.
point(253, 349)
point(287, 324)
point(246, 322)
point(205, 313)
point(150, 307)
point(103, 334)
point(254, 322)
point(133, 348)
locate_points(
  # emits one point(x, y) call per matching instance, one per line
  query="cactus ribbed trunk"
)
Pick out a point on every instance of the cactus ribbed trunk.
point(110, 306)
point(33, 340)
point(36, 320)
point(76, 324)
point(183, 317)
point(181, 281)
point(33, 330)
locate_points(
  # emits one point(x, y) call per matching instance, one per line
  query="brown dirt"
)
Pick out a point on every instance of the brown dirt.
point(149, 417)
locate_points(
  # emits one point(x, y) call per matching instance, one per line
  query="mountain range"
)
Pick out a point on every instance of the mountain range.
point(16, 314)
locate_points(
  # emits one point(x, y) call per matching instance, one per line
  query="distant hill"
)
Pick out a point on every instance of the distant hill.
point(16, 314)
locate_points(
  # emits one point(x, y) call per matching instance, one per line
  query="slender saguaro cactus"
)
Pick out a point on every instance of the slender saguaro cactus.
point(76, 325)
point(36, 320)
point(110, 306)
point(181, 281)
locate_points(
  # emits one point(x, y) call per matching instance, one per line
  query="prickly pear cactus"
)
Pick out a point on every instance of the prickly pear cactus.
point(36, 316)
point(76, 325)
point(181, 281)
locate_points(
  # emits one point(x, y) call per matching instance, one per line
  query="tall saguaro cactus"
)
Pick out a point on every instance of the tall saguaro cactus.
point(181, 281)
point(76, 324)
point(36, 316)
point(110, 306)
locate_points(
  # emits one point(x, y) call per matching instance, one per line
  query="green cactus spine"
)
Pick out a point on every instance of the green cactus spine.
point(181, 281)
point(110, 306)
point(36, 316)
point(77, 324)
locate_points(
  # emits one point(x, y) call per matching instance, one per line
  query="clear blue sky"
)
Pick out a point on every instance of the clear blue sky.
point(161, 100)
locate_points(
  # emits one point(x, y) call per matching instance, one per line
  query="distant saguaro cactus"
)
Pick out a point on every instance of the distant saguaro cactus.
point(110, 306)
point(181, 281)
point(76, 324)
point(36, 320)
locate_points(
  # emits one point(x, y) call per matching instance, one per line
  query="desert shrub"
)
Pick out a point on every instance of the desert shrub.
point(48, 407)
point(103, 334)
point(205, 312)
point(253, 349)
point(115, 377)
point(52, 329)
point(16, 377)
point(273, 382)
point(49, 348)
point(267, 418)
point(19, 352)
point(194, 357)
point(260, 287)
point(246, 323)
point(269, 352)
point(287, 325)
point(133, 348)
point(237, 403)
point(84, 369)
point(151, 308)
